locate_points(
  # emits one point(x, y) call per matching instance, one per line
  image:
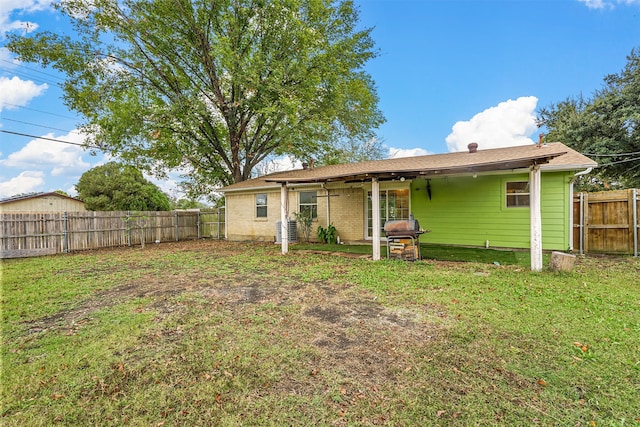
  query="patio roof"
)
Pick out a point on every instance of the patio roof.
point(553, 156)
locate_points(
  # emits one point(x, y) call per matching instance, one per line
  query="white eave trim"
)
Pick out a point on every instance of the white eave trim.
point(271, 187)
point(566, 168)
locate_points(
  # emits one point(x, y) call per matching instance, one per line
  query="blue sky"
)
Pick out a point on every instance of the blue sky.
point(448, 73)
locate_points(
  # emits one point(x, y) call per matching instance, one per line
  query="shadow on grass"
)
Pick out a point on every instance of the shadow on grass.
point(436, 252)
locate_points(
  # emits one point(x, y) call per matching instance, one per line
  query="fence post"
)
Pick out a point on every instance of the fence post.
point(198, 223)
point(65, 233)
point(176, 220)
point(128, 225)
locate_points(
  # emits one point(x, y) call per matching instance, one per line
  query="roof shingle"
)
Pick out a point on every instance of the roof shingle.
point(554, 156)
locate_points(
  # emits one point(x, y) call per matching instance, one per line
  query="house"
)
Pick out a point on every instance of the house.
point(41, 202)
point(516, 197)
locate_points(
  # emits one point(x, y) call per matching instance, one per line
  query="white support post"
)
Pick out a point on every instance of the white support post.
point(536, 218)
point(375, 226)
point(284, 217)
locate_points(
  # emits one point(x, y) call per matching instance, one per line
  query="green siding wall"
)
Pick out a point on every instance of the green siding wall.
point(470, 211)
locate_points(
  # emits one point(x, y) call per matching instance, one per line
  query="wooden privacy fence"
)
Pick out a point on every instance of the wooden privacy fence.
point(42, 233)
point(607, 222)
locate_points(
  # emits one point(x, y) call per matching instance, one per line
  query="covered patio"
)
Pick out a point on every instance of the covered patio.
point(529, 158)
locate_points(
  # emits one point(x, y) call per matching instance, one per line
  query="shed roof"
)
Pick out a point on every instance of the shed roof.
point(37, 196)
point(554, 156)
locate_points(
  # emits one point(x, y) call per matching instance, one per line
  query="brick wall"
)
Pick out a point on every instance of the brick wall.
point(346, 213)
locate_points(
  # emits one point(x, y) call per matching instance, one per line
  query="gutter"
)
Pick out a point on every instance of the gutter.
point(271, 186)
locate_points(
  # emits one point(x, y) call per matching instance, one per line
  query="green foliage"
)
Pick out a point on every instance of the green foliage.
point(606, 127)
point(116, 187)
point(353, 151)
point(213, 87)
point(188, 204)
point(305, 222)
point(328, 235)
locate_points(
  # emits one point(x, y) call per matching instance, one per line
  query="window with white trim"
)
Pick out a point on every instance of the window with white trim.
point(308, 203)
point(261, 205)
point(517, 194)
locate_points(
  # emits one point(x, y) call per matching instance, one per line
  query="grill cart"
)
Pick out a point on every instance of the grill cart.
point(403, 239)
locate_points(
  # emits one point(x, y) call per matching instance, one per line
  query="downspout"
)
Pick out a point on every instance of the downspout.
point(571, 218)
point(581, 228)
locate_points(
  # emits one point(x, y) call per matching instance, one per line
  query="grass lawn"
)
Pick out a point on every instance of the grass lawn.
point(436, 252)
point(227, 334)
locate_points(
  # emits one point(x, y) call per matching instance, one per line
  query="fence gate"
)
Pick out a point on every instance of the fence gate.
point(607, 221)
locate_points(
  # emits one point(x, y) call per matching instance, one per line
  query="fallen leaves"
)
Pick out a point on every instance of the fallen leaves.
point(583, 347)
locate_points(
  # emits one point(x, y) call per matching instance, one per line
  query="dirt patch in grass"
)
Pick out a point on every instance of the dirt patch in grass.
point(223, 333)
point(350, 331)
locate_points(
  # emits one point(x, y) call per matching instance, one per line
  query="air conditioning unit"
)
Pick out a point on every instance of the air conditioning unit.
point(292, 231)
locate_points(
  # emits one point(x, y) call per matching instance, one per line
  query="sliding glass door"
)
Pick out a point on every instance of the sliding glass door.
point(394, 204)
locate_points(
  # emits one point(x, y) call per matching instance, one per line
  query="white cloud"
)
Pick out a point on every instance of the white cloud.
point(508, 124)
point(396, 153)
point(18, 92)
point(594, 4)
point(7, 56)
point(168, 185)
point(10, 9)
point(608, 4)
point(277, 164)
point(26, 182)
point(58, 158)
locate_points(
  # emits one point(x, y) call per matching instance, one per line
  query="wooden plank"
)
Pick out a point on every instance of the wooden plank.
point(610, 226)
point(24, 253)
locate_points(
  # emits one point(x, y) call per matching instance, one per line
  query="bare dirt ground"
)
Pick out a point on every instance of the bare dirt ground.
point(351, 332)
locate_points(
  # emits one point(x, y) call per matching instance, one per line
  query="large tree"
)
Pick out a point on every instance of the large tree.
point(117, 187)
point(213, 86)
point(605, 126)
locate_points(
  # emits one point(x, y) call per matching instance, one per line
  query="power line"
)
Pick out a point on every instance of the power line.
point(13, 64)
point(620, 161)
point(40, 111)
point(33, 78)
point(42, 126)
point(51, 139)
point(611, 155)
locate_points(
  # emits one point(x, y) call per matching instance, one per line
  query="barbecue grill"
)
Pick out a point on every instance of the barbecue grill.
point(403, 239)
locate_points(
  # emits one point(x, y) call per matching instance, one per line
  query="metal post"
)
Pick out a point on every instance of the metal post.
point(198, 222)
point(176, 220)
point(219, 223)
point(65, 233)
point(581, 228)
point(129, 228)
point(635, 222)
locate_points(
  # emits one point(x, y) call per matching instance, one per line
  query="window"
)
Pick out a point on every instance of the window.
point(517, 194)
point(261, 205)
point(309, 203)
